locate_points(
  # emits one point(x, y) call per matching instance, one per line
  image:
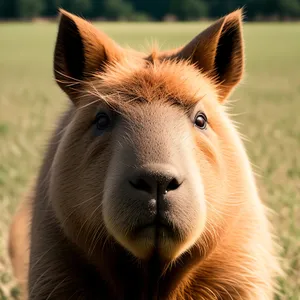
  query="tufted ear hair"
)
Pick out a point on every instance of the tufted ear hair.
point(80, 51)
point(218, 51)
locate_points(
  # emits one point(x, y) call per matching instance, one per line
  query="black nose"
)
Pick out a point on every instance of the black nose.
point(155, 181)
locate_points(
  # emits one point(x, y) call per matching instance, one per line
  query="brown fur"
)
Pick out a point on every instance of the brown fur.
point(18, 244)
point(86, 241)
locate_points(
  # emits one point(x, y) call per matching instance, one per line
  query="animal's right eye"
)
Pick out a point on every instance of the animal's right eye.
point(102, 121)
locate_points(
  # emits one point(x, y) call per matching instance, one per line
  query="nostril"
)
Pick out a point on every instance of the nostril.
point(154, 180)
point(173, 185)
point(141, 184)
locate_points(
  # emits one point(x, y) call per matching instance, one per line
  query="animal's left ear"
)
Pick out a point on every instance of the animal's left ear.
point(219, 52)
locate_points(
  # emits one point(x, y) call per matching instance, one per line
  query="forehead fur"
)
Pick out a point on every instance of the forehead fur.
point(150, 78)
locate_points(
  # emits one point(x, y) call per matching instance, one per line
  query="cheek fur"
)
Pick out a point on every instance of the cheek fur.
point(98, 149)
point(210, 161)
point(206, 150)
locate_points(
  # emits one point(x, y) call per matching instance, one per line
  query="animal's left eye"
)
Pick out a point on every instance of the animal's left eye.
point(201, 121)
point(102, 121)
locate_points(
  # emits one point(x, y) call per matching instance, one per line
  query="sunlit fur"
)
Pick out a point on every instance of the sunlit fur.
point(18, 244)
point(83, 242)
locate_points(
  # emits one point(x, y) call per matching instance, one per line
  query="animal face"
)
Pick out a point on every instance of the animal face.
point(145, 160)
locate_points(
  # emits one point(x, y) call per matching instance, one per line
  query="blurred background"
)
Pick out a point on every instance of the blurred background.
point(147, 10)
point(266, 104)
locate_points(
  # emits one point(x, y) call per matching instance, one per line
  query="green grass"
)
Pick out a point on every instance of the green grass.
point(268, 104)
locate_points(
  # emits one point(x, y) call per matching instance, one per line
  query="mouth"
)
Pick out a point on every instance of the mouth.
point(157, 224)
point(156, 229)
point(157, 238)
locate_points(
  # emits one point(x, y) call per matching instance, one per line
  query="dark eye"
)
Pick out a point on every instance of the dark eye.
point(102, 121)
point(201, 121)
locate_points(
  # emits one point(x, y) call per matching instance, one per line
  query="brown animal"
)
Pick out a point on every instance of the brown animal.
point(146, 191)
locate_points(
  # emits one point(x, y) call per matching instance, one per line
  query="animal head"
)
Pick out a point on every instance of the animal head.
point(149, 159)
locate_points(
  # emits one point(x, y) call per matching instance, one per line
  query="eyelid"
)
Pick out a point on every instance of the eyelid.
point(101, 113)
point(201, 113)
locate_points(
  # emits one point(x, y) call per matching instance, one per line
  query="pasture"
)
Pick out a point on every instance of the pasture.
point(266, 105)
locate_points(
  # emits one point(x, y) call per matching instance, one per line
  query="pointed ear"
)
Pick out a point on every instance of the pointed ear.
point(80, 51)
point(219, 52)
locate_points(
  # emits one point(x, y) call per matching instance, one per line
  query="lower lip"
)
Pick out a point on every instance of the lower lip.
point(154, 225)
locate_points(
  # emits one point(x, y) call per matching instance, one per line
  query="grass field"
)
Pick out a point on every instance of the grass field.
point(267, 104)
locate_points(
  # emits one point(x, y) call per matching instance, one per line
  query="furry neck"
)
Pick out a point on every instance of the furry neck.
point(129, 278)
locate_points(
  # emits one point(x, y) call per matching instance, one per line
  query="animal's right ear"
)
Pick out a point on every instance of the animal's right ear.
point(80, 51)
